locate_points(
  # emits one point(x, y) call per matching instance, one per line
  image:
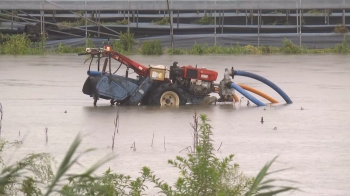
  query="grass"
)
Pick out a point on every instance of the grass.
point(21, 45)
point(288, 47)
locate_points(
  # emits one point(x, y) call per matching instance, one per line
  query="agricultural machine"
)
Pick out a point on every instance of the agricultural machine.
point(157, 85)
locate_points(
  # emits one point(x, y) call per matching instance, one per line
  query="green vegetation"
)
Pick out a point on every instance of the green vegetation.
point(288, 47)
point(163, 21)
point(78, 22)
point(152, 47)
point(125, 43)
point(341, 29)
point(122, 22)
point(20, 44)
point(205, 20)
point(202, 174)
point(319, 12)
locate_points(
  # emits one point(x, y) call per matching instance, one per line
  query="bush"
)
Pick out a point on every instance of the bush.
point(340, 29)
point(126, 40)
point(16, 44)
point(343, 47)
point(205, 20)
point(122, 22)
point(163, 21)
point(290, 48)
point(152, 47)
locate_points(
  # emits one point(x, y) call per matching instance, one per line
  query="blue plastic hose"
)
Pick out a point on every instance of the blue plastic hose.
point(247, 95)
point(94, 73)
point(265, 81)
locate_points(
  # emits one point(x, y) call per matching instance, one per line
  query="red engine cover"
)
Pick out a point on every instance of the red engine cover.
point(199, 73)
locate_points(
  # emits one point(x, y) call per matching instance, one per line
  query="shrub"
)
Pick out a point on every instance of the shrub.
point(16, 44)
point(122, 22)
point(163, 21)
point(205, 20)
point(152, 47)
point(126, 40)
point(204, 174)
point(198, 49)
point(340, 29)
point(342, 47)
point(290, 48)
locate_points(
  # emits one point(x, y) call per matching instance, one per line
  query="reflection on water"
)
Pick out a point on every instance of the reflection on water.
point(36, 90)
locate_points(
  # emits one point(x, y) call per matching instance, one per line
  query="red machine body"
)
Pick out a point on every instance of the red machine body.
point(199, 73)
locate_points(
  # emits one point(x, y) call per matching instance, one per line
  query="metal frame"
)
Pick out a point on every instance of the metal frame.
point(128, 5)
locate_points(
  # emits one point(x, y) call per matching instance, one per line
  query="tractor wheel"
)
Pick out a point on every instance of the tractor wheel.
point(168, 95)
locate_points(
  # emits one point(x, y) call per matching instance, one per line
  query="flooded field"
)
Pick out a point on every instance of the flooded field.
point(36, 90)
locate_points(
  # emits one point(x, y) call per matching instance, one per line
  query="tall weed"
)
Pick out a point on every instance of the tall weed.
point(343, 47)
point(152, 48)
point(126, 40)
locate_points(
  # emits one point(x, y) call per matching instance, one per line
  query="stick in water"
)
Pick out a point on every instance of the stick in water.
point(219, 147)
point(47, 137)
point(152, 140)
point(164, 144)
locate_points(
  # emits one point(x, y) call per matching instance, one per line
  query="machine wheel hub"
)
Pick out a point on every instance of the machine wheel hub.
point(169, 98)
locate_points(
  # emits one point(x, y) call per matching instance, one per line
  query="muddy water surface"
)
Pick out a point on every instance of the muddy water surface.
point(36, 90)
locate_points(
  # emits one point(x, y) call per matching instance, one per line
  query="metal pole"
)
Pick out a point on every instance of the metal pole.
point(128, 17)
point(137, 19)
point(328, 16)
point(171, 24)
point(99, 22)
point(251, 17)
point(259, 28)
point(325, 16)
point(86, 34)
point(215, 23)
point(343, 19)
point(43, 21)
point(12, 20)
point(219, 18)
point(178, 19)
point(246, 17)
point(222, 25)
point(301, 22)
point(297, 12)
point(171, 28)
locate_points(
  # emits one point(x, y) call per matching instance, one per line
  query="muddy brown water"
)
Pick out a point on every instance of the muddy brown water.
point(36, 90)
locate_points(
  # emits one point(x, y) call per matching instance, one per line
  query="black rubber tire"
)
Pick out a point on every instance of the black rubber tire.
point(163, 88)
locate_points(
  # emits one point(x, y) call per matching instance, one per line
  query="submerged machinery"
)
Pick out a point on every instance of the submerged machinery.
point(155, 85)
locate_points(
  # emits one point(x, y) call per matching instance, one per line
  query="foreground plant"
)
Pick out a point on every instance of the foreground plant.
point(202, 174)
point(33, 175)
point(205, 174)
point(26, 176)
